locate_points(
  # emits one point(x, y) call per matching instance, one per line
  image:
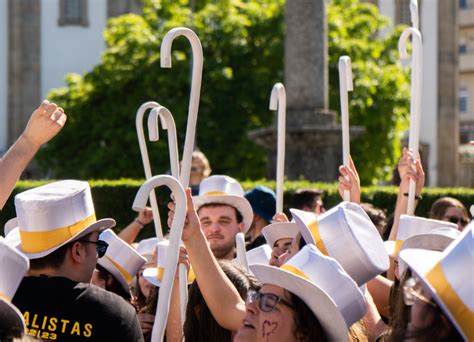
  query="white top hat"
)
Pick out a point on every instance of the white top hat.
point(225, 190)
point(279, 230)
point(10, 225)
point(54, 214)
point(147, 248)
point(259, 255)
point(13, 267)
point(448, 276)
point(321, 282)
point(346, 234)
point(121, 259)
point(155, 274)
point(436, 239)
point(410, 226)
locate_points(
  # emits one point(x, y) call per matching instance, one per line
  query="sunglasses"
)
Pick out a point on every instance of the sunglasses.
point(412, 291)
point(456, 220)
point(266, 301)
point(100, 246)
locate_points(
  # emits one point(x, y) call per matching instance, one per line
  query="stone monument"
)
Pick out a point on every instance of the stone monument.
point(313, 135)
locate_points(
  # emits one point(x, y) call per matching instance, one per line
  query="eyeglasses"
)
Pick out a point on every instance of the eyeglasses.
point(456, 220)
point(100, 246)
point(266, 301)
point(412, 291)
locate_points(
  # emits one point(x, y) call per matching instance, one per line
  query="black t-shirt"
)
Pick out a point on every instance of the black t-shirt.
point(60, 309)
point(259, 241)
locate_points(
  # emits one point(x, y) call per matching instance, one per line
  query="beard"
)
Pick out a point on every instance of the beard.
point(222, 250)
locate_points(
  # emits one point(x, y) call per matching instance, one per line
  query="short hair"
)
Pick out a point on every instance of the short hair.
point(56, 258)
point(305, 197)
point(202, 157)
point(238, 216)
point(115, 285)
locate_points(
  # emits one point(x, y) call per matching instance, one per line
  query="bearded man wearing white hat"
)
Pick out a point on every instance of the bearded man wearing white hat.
point(223, 211)
point(59, 233)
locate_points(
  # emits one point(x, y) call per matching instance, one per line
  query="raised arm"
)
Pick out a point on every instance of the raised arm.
point(130, 233)
point(45, 122)
point(220, 295)
point(349, 180)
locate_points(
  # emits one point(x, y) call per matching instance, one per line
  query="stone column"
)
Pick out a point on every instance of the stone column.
point(313, 138)
point(448, 73)
point(23, 64)
point(119, 7)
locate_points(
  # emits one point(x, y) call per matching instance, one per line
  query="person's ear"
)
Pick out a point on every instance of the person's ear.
point(77, 252)
point(241, 227)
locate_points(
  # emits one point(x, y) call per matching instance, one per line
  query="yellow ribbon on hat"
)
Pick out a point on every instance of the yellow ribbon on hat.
point(398, 245)
point(314, 230)
point(5, 297)
point(461, 313)
point(295, 270)
point(37, 242)
point(161, 271)
point(128, 277)
point(215, 193)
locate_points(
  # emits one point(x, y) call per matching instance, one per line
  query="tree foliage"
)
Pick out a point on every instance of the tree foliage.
point(243, 57)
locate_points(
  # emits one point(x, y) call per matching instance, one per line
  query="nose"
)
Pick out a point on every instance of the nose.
point(214, 227)
point(251, 307)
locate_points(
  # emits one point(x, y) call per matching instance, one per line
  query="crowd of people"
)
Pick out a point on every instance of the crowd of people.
point(328, 274)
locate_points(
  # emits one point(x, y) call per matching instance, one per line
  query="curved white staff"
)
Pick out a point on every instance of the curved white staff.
point(173, 250)
point(165, 59)
point(241, 252)
point(146, 162)
point(415, 98)
point(415, 21)
point(345, 85)
point(278, 101)
point(167, 122)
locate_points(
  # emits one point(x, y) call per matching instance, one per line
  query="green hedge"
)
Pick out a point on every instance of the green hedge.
point(113, 198)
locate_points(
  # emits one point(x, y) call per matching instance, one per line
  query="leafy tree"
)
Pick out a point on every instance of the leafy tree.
point(243, 57)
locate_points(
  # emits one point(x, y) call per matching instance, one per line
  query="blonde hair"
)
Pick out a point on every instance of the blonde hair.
point(202, 157)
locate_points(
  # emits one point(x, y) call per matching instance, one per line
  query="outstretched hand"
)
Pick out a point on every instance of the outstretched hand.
point(45, 122)
point(349, 180)
point(411, 168)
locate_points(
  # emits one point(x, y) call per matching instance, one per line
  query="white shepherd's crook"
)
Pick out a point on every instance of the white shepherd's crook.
point(173, 250)
point(146, 162)
point(167, 122)
point(165, 59)
point(415, 98)
point(415, 21)
point(345, 85)
point(278, 101)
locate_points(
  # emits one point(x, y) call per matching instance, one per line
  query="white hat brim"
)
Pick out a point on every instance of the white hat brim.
point(11, 318)
point(150, 274)
point(238, 202)
point(279, 230)
point(320, 303)
point(105, 263)
point(421, 261)
point(97, 226)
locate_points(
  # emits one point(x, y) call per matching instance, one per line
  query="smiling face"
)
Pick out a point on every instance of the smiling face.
point(276, 325)
point(279, 248)
point(219, 224)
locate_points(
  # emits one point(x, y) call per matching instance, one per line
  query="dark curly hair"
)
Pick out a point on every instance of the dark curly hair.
point(307, 325)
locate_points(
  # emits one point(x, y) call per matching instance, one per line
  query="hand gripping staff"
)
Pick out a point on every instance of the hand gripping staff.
point(165, 60)
point(415, 98)
point(146, 161)
point(345, 85)
point(167, 122)
point(173, 250)
point(278, 101)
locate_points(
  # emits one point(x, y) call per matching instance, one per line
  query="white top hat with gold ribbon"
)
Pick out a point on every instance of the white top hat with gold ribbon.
point(279, 230)
point(321, 282)
point(13, 267)
point(346, 234)
point(10, 225)
point(155, 274)
point(225, 190)
point(448, 276)
point(121, 259)
point(410, 226)
point(55, 214)
point(436, 240)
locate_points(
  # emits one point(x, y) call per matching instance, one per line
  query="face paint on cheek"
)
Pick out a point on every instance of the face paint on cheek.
point(268, 328)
